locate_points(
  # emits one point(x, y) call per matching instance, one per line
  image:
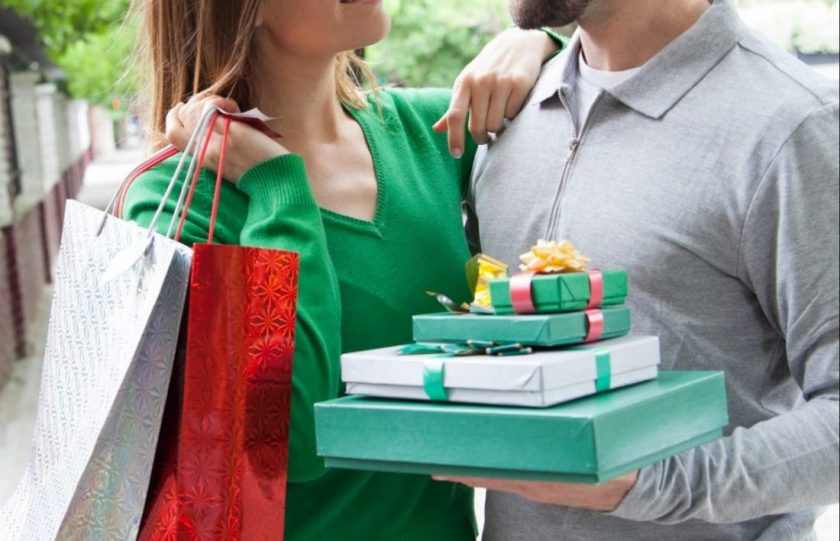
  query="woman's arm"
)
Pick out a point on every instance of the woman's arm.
point(270, 207)
point(282, 214)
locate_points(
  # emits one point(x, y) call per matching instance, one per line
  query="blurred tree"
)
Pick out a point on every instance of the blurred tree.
point(63, 23)
point(431, 41)
point(88, 40)
point(99, 66)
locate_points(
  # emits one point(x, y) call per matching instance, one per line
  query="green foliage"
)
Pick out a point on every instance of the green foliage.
point(62, 23)
point(86, 39)
point(431, 40)
point(99, 67)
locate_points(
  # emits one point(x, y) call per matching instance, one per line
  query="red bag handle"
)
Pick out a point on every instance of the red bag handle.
point(219, 178)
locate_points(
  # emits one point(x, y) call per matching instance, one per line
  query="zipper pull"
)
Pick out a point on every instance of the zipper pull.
point(573, 146)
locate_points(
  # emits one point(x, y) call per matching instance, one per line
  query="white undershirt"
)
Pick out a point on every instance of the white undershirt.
point(589, 83)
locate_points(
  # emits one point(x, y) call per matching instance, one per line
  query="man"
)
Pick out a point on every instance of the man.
point(669, 140)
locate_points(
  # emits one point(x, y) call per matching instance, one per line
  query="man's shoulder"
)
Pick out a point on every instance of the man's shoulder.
point(787, 77)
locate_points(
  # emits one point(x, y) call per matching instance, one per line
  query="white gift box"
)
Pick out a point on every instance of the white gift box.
point(542, 379)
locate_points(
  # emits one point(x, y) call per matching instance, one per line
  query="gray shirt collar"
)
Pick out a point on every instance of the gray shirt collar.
point(669, 75)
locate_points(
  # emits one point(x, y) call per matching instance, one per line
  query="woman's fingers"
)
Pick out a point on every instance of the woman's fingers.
point(518, 95)
point(480, 94)
point(494, 86)
point(455, 118)
point(190, 113)
point(176, 133)
point(499, 99)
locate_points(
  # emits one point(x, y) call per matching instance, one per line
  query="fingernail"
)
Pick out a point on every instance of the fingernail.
point(457, 153)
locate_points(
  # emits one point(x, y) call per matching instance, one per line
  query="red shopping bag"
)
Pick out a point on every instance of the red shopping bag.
point(221, 465)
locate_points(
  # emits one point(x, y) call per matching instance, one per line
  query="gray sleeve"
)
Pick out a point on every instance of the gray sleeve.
point(789, 258)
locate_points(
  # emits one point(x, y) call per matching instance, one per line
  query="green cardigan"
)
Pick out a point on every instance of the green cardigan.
point(360, 283)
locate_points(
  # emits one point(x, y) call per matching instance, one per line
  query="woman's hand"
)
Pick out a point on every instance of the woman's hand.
point(246, 146)
point(494, 86)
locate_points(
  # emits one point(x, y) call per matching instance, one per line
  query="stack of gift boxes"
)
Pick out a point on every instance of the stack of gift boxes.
point(537, 379)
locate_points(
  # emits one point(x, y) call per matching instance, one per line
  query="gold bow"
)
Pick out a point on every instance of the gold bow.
point(549, 257)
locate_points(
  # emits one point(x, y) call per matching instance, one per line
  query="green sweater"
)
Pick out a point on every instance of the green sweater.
point(360, 283)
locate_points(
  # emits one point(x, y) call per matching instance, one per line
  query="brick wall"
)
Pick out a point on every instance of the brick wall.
point(8, 333)
point(45, 146)
point(8, 187)
point(31, 266)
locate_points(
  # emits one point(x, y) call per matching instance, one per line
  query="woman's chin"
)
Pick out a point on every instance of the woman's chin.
point(372, 34)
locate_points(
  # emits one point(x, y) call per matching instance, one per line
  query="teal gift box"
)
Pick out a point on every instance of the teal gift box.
point(546, 330)
point(565, 292)
point(590, 440)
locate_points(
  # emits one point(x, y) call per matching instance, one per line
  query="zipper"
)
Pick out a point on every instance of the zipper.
point(574, 146)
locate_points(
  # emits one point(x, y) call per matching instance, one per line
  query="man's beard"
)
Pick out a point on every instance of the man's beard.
point(537, 13)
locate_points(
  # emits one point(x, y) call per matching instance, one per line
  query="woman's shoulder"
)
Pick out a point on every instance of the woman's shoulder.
point(419, 101)
point(425, 105)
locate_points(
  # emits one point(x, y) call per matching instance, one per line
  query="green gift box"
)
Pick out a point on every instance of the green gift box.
point(547, 330)
point(565, 292)
point(590, 440)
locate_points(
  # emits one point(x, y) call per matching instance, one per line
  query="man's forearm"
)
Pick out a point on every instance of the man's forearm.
point(782, 465)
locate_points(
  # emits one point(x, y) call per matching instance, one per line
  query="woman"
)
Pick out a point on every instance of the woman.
point(359, 186)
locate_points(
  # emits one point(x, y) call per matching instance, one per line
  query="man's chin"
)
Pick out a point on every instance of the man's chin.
point(530, 14)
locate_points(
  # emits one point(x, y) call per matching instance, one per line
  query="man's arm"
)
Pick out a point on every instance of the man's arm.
point(789, 254)
point(790, 462)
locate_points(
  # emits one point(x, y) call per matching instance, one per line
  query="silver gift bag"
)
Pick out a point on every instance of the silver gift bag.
point(117, 306)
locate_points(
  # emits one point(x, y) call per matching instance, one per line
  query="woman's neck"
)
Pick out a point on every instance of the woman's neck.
point(300, 94)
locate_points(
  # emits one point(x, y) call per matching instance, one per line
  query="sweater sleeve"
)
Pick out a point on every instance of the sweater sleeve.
point(789, 258)
point(282, 214)
point(272, 207)
point(146, 192)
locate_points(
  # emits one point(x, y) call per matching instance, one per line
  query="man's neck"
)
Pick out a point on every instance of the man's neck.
point(618, 35)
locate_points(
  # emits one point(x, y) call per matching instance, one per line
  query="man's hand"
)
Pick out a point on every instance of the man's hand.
point(494, 86)
point(605, 497)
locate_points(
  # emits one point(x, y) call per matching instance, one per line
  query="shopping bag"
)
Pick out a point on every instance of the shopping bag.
point(222, 459)
point(114, 326)
point(107, 365)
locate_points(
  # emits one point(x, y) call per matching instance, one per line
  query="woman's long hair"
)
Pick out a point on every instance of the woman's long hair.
point(192, 46)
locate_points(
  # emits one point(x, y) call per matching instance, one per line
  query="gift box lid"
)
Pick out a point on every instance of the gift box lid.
point(541, 379)
point(548, 330)
point(588, 440)
point(562, 292)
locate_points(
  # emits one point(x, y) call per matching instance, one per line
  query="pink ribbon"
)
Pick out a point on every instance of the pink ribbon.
point(596, 289)
point(595, 324)
point(520, 293)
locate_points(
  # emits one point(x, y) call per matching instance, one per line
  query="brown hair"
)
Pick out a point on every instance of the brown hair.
point(192, 46)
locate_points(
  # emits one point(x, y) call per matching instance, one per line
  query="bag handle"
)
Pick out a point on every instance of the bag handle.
point(219, 176)
point(187, 154)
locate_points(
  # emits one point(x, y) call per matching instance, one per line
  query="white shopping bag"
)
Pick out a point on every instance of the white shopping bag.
point(116, 314)
point(107, 365)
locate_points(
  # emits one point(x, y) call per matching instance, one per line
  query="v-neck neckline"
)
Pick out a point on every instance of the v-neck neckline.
point(376, 225)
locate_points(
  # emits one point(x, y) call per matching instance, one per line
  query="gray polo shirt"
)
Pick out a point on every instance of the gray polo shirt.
point(712, 177)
